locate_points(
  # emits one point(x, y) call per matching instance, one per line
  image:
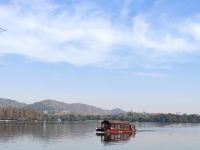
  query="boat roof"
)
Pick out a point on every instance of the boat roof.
point(116, 122)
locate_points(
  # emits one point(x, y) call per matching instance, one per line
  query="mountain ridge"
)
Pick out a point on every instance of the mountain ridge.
point(57, 107)
point(4, 102)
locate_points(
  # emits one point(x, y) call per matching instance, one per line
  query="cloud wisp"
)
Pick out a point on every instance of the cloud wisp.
point(86, 35)
point(149, 74)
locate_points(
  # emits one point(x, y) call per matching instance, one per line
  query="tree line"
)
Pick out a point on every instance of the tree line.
point(132, 117)
point(29, 114)
point(20, 114)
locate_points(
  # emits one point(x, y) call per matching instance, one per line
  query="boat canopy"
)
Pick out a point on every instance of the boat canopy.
point(115, 122)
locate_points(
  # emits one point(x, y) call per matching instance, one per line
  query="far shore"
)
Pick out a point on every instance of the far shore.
point(61, 122)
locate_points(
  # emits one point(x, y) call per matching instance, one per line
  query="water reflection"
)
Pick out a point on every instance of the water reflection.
point(115, 138)
point(46, 132)
point(82, 135)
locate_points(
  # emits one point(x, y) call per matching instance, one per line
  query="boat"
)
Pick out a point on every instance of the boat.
point(116, 127)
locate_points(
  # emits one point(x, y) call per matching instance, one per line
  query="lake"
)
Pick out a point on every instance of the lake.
point(81, 135)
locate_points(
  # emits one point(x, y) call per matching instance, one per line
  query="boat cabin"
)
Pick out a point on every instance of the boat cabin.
point(116, 126)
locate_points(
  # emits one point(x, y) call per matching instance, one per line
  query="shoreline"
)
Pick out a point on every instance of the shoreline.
point(62, 122)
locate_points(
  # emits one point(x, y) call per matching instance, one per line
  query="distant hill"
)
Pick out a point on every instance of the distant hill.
point(87, 109)
point(57, 107)
point(117, 111)
point(52, 106)
point(8, 102)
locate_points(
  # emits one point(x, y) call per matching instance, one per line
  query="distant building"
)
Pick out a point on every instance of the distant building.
point(45, 112)
point(59, 120)
point(144, 113)
point(178, 113)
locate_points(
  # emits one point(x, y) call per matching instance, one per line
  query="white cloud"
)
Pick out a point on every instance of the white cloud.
point(47, 32)
point(165, 42)
point(149, 74)
point(44, 35)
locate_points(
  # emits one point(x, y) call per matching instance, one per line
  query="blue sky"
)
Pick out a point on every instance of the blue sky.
point(138, 55)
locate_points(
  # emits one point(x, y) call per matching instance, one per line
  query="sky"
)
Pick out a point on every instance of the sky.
point(138, 55)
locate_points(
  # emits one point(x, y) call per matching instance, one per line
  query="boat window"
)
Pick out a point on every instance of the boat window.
point(105, 125)
point(112, 137)
point(118, 126)
point(125, 127)
point(113, 126)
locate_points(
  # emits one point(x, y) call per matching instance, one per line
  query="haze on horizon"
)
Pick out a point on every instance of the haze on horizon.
point(132, 54)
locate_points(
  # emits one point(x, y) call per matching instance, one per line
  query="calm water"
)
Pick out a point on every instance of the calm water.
point(81, 135)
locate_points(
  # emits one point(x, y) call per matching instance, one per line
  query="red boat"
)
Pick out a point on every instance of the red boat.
point(116, 127)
